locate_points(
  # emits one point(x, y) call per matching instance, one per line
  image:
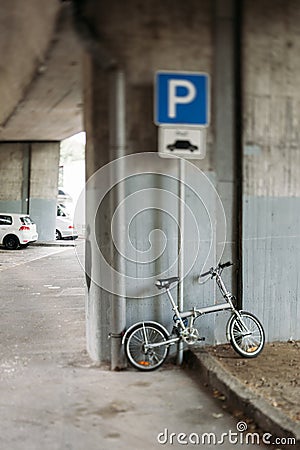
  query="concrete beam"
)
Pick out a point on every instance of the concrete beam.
point(40, 80)
point(26, 30)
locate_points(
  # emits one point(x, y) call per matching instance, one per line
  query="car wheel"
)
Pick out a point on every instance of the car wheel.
point(11, 242)
point(58, 235)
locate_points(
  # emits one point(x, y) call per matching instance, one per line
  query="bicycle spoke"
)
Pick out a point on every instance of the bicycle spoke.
point(138, 339)
point(139, 350)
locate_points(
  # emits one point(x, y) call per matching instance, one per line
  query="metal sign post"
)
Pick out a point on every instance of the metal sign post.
point(182, 112)
point(180, 247)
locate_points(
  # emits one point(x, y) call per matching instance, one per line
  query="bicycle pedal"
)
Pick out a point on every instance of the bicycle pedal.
point(201, 339)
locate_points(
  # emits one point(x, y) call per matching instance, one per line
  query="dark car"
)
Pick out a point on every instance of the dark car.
point(182, 145)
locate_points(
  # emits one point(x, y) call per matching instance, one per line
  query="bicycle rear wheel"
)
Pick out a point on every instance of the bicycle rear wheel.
point(246, 335)
point(142, 358)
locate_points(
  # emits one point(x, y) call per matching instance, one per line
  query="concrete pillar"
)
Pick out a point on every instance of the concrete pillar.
point(29, 182)
point(155, 37)
point(12, 189)
point(43, 187)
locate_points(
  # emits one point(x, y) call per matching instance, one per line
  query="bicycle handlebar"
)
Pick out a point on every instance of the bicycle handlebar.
point(227, 264)
point(213, 271)
point(205, 273)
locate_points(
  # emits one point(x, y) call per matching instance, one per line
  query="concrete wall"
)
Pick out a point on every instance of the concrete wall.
point(203, 36)
point(271, 145)
point(28, 182)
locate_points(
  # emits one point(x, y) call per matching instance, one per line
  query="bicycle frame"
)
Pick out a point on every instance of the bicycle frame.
point(197, 312)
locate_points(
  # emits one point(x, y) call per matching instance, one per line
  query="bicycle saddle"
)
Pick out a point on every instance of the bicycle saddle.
point(166, 282)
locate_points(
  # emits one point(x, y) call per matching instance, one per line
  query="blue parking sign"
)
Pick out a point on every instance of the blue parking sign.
point(182, 98)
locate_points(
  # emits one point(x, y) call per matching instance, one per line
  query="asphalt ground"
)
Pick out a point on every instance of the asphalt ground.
point(53, 397)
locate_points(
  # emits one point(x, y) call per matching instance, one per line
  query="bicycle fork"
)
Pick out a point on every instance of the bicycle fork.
point(228, 296)
point(145, 336)
point(242, 327)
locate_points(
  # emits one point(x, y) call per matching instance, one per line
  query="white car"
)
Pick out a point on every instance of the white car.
point(64, 225)
point(17, 230)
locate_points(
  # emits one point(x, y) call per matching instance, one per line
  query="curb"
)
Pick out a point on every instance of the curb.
point(268, 418)
point(53, 244)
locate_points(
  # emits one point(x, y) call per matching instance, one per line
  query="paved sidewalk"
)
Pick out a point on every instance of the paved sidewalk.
point(54, 398)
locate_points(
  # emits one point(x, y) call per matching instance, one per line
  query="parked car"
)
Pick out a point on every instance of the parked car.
point(64, 225)
point(17, 230)
point(63, 198)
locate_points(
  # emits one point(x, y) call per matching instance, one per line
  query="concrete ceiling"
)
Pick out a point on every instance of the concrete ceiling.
point(40, 71)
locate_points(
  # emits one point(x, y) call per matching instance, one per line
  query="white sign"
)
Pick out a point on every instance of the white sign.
point(188, 143)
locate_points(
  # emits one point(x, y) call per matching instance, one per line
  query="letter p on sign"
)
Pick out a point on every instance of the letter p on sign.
point(182, 98)
point(175, 98)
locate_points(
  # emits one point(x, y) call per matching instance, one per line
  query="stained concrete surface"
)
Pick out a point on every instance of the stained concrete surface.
point(54, 397)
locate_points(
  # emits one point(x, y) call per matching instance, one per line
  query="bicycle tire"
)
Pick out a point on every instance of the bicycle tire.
point(247, 346)
point(136, 355)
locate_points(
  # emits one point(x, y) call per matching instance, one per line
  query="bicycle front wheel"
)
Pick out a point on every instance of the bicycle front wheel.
point(137, 351)
point(246, 334)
